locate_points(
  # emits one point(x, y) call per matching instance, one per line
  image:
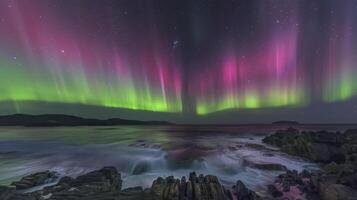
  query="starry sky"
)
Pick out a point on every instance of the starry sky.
point(188, 61)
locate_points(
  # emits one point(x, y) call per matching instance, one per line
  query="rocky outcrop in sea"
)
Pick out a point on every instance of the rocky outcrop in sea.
point(337, 154)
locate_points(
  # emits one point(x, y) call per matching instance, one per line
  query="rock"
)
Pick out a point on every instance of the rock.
point(338, 192)
point(140, 168)
point(290, 178)
point(326, 153)
point(35, 179)
point(100, 184)
point(256, 146)
point(294, 185)
point(136, 193)
point(270, 166)
point(243, 193)
point(331, 168)
point(321, 146)
point(105, 179)
point(281, 136)
point(274, 191)
point(350, 146)
point(332, 138)
point(105, 184)
point(347, 175)
point(195, 188)
point(337, 180)
point(351, 136)
point(6, 192)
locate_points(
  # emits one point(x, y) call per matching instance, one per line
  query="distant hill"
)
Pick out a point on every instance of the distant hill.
point(286, 123)
point(68, 120)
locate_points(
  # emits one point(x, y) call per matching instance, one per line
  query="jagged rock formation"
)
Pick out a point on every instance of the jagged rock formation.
point(106, 183)
point(197, 187)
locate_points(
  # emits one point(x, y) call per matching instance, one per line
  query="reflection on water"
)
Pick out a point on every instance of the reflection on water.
point(142, 153)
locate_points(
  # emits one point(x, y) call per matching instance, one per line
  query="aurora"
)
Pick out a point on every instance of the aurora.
point(131, 57)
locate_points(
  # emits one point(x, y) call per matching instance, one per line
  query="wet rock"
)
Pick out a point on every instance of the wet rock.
point(265, 166)
point(105, 179)
point(6, 192)
point(294, 185)
point(269, 166)
point(337, 180)
point(105, 184)
point(338, 192)
point(290, 178)
point(274, 191)
point(100, 184)
point(243, 193)
point(195, 188)
point(256, 146)
point(140, 168)
point(35, 179)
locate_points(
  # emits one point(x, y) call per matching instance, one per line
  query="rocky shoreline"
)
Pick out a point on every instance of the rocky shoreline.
point(337, 154)
point(106, 183)
point(337, 179)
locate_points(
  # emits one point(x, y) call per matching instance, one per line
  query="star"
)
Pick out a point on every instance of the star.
point(175, 44)
point(62, 50)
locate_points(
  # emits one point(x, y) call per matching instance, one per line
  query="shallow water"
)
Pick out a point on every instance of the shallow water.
point(142, 153)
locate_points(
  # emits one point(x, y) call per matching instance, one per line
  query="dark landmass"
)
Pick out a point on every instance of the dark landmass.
point(68, 120)
point(286, 123)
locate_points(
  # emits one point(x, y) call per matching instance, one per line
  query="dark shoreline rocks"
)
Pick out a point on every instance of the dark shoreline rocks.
point(320, 146)
point(106, 184)
point(335, 151)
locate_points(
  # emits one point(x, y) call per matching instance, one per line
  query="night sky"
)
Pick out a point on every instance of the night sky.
point(189, 61)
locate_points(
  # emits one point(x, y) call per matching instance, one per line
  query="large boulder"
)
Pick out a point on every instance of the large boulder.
point(105, 179)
